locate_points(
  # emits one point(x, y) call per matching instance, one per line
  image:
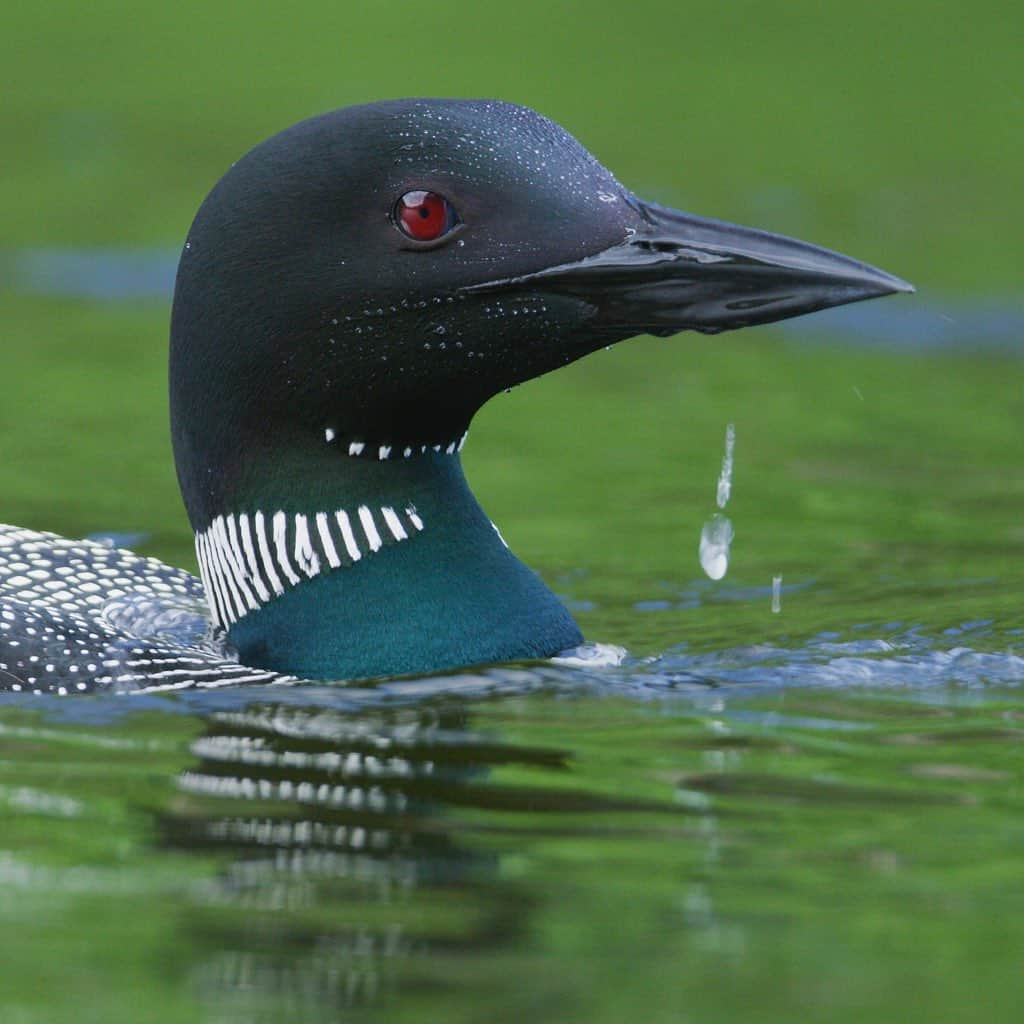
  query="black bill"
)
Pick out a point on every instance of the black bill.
point(678, 272)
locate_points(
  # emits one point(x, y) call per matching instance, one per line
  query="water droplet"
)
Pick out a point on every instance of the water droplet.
point(715, 539)
point(776, 594)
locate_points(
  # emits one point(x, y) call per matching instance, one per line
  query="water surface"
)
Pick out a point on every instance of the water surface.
point(570, 853)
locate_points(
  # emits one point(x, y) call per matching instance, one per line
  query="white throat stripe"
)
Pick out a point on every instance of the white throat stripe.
point(243, 564)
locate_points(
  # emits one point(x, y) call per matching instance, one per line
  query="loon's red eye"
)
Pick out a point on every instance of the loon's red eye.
point(424, 216)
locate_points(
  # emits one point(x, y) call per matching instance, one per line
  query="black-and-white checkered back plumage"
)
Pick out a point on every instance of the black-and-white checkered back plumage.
point(78, 616)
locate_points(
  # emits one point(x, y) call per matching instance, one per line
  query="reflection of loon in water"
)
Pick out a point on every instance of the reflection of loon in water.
point(331, 822)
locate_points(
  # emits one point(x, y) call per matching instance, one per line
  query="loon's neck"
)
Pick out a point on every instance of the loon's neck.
point(351, 567)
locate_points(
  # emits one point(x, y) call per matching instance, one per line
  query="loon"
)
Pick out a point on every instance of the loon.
point(350, 293)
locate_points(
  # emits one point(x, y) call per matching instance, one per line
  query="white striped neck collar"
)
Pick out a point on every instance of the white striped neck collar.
point(248, 559)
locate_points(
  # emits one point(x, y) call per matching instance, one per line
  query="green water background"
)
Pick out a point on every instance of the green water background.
point(791, 853)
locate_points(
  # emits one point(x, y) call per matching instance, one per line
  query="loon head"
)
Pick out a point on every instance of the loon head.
point(349, 295)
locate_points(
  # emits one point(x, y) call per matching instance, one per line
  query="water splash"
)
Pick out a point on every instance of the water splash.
point(776, 594)
point(592, 655)
point(717, 533)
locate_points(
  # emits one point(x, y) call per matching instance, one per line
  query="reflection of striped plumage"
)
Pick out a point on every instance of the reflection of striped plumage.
point(329, 819)
point(246, 560)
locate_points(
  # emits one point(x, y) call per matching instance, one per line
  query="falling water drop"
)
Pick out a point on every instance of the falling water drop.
point(715, 539)
point(717, 533)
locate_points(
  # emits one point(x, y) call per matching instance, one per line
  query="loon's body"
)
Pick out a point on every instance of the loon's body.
point(350, 293)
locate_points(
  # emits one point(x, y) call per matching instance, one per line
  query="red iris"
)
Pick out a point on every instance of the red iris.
point(424, 216)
